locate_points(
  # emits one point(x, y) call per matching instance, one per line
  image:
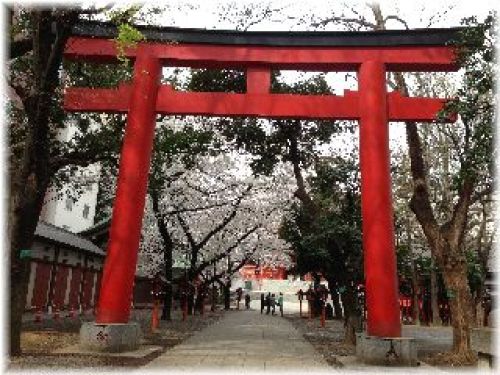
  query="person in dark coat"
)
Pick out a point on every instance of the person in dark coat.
point(262, 303)
point(273, 303)
point(268, 303)
point(328, 311)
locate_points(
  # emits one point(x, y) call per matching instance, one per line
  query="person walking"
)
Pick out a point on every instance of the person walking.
point(247, 301)
point(280, 303)
point(268, 303)
point(262, 302)
point(239, 293)
point(273, 303)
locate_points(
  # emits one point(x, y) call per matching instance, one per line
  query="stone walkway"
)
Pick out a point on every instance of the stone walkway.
point(244, 341)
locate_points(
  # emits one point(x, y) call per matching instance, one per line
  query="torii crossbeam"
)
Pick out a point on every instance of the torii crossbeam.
point(370, 54)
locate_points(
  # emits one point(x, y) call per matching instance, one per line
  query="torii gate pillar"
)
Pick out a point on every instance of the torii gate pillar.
point(376, 203)
point(112, 331)
point(131, 193)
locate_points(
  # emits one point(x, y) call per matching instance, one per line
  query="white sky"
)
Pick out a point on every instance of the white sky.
point(204, 14)
point(417, 14)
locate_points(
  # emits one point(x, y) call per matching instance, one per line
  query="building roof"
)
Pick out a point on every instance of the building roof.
point(98, 228)
point(415, 37)
point(63, 236)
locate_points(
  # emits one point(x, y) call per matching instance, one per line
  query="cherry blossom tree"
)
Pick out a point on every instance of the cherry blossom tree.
point(214, 211)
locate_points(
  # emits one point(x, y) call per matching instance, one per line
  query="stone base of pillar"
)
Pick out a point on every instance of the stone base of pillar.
point(111, 337)
point(386, 351)
point(482, 343)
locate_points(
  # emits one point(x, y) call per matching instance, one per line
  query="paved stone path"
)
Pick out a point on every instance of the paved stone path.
point(244, 340)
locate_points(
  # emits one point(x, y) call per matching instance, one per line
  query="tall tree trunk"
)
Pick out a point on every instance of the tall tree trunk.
point(168, 247)
point(23, 218)
point(414, 280)
point(434, 295)
point(301, 192)
point(460, 306)
point(27, 192)
point(31, 175)
point(200, 299)
point(214, 298)
point(168, 288)
point(197, 302)
point(477, 308)
point(415, 302)
point(483, 250)
point(445, 245)
point(214, 290)
point(444, 240)
point(29, 178)
point(227, 296)
point(352, 318)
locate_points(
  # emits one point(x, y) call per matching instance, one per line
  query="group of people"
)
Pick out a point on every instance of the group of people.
point(239, 293)
point(269, 303)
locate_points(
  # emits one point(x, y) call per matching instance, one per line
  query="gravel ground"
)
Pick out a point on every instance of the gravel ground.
point(447, 360)
point(38, 342)
point(327, 341)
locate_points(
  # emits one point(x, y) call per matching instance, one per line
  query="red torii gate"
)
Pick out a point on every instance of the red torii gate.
point(371, 54)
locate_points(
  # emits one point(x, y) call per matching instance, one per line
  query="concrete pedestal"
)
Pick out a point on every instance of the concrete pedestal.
point(111, 338)
point(386, 351)
point(481, 343)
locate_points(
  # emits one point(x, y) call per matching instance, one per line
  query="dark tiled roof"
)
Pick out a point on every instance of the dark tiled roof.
point(60, 235)
point(102, 225)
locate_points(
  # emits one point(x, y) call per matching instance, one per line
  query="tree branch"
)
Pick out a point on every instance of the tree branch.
point(346, 21)
point(63, 31)
point(195, 209)
point(459, 216)
point(231, 271)
point(420, 200)
point(226, 252)
point(396, 18)
point(301, 192)
point(226, 220)
point(210, 192)
point(162, 228)
point(77, 158)
point(187, 232)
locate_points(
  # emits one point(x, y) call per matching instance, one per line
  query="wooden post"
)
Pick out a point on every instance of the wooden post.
point(155, 322)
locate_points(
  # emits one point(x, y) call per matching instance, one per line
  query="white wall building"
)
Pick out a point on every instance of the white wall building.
point(61, 209)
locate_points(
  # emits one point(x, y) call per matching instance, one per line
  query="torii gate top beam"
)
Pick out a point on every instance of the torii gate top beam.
point(258, 53)
point(399, 50)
